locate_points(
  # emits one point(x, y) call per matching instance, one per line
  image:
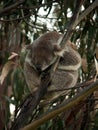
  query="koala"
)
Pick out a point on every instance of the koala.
point(42, 54)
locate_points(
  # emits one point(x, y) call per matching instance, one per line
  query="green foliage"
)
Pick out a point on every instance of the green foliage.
point(22, 24)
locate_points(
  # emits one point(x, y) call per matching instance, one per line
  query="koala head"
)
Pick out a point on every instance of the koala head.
point(42, 52)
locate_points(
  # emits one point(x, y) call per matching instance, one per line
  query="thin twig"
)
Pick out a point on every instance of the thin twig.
point(75, 21)
point(77, 86)
point(16, 5)
point(31, 25)
point(10, 20)
point(11, 7)
point(87, 11)
point(38, 6)
point(72, 23)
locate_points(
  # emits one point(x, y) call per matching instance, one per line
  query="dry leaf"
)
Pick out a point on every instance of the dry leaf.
point(84, 64)
point(7, 67)
point(13, 55)
point(9, 91)
point(96, 52)
point(96, 66)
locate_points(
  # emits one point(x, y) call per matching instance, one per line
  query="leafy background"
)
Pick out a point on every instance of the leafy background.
point(23, 21)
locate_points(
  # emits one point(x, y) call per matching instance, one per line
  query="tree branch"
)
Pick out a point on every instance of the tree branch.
point(63, 107)
point(12, 20)
point(87, 11)
point(75, 20)
point(14, 6)
point(72, 23)
point(9, 8)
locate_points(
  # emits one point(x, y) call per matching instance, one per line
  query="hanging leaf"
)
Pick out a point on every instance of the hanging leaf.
point(13, 55)
point(84, 64)
point(96, 67)
point(6, 69)
point(96, 52)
